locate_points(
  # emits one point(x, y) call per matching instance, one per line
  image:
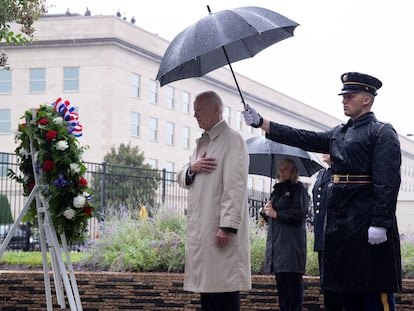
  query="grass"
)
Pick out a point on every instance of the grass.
point(33, 259)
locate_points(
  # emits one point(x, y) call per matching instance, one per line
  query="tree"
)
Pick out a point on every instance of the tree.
point(126, 155)
point(5, 212)
point(23, 13)
point(125, 180)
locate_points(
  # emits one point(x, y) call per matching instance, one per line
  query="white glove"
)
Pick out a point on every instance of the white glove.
point(377, 235)
point(251, 117)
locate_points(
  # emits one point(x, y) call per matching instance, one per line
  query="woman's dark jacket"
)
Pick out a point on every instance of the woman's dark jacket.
point(286, 234)
point(361, 147)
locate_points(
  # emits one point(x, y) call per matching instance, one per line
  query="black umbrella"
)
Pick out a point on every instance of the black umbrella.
point(265, 155)
point(222, 38)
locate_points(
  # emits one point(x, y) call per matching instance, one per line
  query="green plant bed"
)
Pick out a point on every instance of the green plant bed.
point(127, 243)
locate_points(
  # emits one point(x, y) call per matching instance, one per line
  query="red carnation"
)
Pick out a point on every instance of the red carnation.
point(51, 135)
point(82, 182)
point(31, 186)
point(87, 210)
point(48, 165)
point(43, 121)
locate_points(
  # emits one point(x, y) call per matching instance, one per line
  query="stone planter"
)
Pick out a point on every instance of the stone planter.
point(102, 291)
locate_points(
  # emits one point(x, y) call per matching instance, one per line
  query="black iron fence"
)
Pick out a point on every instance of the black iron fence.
point(113, 187)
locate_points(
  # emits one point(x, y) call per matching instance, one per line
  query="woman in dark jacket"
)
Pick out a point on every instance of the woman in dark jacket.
point(286, 235)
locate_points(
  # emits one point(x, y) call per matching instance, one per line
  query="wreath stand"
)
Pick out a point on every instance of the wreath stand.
point(47, 233)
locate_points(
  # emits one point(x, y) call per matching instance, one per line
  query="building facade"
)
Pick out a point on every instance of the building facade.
point(106, 67)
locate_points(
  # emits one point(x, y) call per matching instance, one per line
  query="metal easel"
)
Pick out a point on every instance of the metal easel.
point(63, 274)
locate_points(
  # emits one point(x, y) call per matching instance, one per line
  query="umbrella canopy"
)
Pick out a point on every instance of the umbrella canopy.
point(222, 38)
point(265, 155)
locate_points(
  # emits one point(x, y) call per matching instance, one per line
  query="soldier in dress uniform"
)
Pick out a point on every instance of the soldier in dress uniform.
point(361, 258)
point(320, 198)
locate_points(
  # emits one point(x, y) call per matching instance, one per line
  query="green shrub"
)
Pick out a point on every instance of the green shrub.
point(312, 265)
point(257, 248)
point(407, 255)
point(128, 243)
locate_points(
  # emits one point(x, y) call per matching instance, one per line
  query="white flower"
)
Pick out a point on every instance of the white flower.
point(62, 145)
point(79, 201)
point(86, 194)
point(69, 213)
point(75, 167)
point(58, 120)
point(24, 153)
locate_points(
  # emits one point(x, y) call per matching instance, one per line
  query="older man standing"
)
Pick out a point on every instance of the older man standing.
point(217, 257)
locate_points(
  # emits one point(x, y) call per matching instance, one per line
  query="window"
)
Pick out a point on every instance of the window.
point(169, 167)
point(186, 102)
point(153, 129)
point(4, 161)
point(262, 185)
point(153, 163)
point(37, 80)
point(135, 122)
point(239, 120)
point(250, 129)
point(5, 81)
point(5, 123)
point(170, 97)
point(250, 182)
point(186, 137)
point(170, 133)
point(135, 85)
point(226, 114)
point(71, 78)
point(153, 92)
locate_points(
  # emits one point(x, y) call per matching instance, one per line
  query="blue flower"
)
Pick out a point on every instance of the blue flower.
point(60, 182)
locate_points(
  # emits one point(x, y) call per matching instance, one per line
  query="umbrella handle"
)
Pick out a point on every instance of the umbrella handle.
point(234, 77)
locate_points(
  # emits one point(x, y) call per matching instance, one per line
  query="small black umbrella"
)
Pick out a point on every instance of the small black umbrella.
point(222, 38)
point(265, 155)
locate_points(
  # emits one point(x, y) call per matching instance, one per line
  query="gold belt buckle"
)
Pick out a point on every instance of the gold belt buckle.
point(336, 178)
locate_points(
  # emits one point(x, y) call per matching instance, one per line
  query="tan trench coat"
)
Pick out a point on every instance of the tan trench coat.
point(218, 199)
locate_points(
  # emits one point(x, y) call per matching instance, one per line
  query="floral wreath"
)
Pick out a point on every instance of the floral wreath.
point(53, 130)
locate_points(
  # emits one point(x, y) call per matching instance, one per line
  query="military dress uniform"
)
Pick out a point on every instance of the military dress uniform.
point(320, 198)
point(365, 162)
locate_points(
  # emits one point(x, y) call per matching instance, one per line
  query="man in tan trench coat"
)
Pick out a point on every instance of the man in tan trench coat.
point(217, 257)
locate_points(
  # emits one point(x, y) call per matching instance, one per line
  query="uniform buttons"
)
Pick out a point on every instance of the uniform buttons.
point(318, 203)
point(318, 196)
point(317, 211)
point(320, 188)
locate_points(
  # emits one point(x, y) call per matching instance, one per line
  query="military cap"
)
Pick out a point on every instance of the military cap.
point(359, 82)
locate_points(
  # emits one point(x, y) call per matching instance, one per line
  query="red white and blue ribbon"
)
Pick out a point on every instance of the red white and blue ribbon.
point(67, 111)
